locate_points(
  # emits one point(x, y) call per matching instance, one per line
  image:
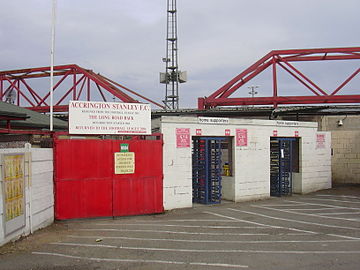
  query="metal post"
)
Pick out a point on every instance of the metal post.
point(53, 20)
point(74, 83)
point(172, 76)
point(275, 87)
point(1, 88)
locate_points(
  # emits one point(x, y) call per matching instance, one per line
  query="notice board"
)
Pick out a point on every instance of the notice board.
point(13, 189)
point(124, 163)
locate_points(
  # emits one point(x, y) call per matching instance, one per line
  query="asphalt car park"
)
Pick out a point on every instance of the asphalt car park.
point(315, 231)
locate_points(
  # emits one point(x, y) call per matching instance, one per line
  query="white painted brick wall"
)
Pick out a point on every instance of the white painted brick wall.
point(41, 191)
point(251, 170)
point(316, 164)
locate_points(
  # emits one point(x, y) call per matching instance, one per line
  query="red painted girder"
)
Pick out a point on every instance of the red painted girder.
point(45, 70)
point(102, 83)
point(113, 90)
point(321, 58)
point(281, 100)
point(39, 75)
point(133, 92)
point(348, 50)
point(288, 55)
point(303, 79)
point(35, 96)
point(21, 131)
point(252, 68)
point(346, 82)
point(44, 109)
point(20, 93)
point(278, 57)
point(42, 101)
point(13, 117)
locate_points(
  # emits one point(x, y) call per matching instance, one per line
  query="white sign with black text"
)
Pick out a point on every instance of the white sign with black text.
point(213, 120)
point(87, 117)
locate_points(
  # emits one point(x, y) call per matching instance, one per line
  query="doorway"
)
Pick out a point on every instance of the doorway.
point(207, 169)
point(284, 161)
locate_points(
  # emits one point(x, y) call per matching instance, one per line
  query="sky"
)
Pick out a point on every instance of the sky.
point(125, 40)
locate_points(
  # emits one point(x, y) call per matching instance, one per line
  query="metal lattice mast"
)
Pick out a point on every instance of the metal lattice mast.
point(172, 87)
point(172, 76)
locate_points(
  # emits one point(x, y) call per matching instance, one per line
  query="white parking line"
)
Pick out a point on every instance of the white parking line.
point(297, 233)
point(139, 260)
point(262, 224)
point(200, 220)
point(331, 200)
point(215, 250)
point(276, 205)
point(302, 214)
point(212, 241)
point(338, 196)
point(338, 213)
point(170, 232)
point(343, 236)
point(297, 209)
point(179, 226)
point(180, 220)
point(303, 222)
point(295, 221)
point(327, 205)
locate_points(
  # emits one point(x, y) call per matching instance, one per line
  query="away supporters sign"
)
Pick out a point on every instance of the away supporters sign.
point(87, 117)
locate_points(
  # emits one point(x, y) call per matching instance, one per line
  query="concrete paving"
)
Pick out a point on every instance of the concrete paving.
point(315, 231)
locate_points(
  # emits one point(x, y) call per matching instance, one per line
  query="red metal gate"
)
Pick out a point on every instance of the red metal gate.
point(86, 184)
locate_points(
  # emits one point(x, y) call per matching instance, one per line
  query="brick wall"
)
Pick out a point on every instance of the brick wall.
point(346, 156)
point(251, 163)
point(315, 162)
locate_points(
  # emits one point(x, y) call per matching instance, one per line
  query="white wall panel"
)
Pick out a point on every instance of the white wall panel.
point(251, 163)
point(38, 195)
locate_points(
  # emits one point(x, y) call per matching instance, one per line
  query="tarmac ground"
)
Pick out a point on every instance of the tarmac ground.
point(315, 231)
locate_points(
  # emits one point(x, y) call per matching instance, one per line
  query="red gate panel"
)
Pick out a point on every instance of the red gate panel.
point(86, 185)
point(141, 192)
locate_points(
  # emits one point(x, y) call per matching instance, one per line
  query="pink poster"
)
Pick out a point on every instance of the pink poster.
point(182, 137)
point(320, 141)
point(275, 133)
point(241, 137)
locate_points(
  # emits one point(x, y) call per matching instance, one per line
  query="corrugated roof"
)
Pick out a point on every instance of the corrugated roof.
point(35, 120)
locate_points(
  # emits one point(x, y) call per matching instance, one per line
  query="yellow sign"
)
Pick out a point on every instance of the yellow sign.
point(14, 185)
point(124, 163)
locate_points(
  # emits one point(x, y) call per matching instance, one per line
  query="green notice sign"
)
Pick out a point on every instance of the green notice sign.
point(124, 147)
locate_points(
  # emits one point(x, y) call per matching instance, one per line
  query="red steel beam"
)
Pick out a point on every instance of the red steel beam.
point(43, 71)
point(345, 82)
point(38, 101)
point(282, 100)
point(44, 109)
point(221, 97)
point(133, 92)
point(20, 131)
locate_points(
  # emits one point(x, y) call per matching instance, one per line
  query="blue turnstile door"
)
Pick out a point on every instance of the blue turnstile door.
point(206, 170)
point(281, 166)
